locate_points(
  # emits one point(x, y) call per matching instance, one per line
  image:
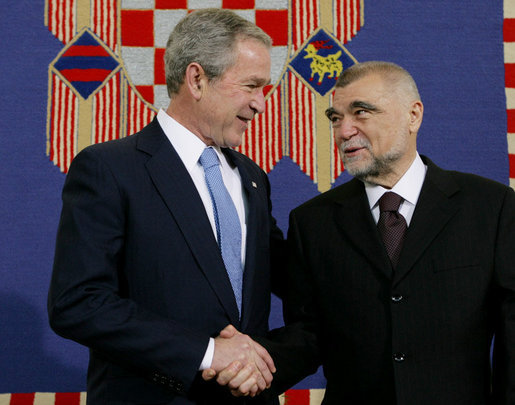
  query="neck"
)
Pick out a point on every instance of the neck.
point(389, 178)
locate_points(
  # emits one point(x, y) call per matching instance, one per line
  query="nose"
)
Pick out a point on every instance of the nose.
point(258, 102)
point(345, 130)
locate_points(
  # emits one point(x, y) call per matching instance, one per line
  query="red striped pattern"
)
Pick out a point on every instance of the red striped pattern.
point(62, 124)
point(107, 111)
point(509, 30)
point(139, 113)
point(104, 15)
point(60, 18)
point(347, 19)
point(262, 141)
point(301, 116)
point(304, 20)
point(509, 74)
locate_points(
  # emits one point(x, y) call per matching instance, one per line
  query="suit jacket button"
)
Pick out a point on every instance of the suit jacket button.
point(399, 357)
point(397, 298)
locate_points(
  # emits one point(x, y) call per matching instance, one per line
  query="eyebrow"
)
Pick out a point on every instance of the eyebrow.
point(260, 81)
point(364, 105)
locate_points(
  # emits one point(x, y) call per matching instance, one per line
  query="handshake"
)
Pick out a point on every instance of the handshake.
point(240, 363)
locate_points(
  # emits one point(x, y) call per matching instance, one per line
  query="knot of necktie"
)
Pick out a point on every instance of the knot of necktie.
point(209, 158)
point(390, 202)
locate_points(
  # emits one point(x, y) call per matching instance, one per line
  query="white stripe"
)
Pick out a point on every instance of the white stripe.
point(509, 9)
point(277, 126)
point(355, 22)
point(44, 398)
point(5, 399)
point(101, 118)
point(53, 16)
point(512, 183)
point(511, 143)
point(74, 20)
point(116, 106)
point(105, 23)
point(112, 25)
point(510, 98)
point(55, 118)
point(82, 398)
point(297, 128)
point(316, 395)
point(509, 52)
point(108, 102)
point(347, 22)
point(62, 115)
point(70, 126)
point(71, 151)
point(309, 134)
point(59, 19)
point(305, 20)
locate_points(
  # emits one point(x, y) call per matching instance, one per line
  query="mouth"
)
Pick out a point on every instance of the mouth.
point(244, 119)
point(353, 150)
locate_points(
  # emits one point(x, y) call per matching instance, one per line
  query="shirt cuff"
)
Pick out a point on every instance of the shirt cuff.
point(208, 357)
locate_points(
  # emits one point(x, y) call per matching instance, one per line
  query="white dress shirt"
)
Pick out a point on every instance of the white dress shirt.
point(189, 147)
point(408, 187)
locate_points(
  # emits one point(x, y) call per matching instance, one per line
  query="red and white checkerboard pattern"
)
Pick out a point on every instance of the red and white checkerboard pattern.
point(146, 25)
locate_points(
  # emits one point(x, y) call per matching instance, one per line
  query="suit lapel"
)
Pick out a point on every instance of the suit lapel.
point(435, 207)
point(355, 221)
point(251, 194)
point(180, 195)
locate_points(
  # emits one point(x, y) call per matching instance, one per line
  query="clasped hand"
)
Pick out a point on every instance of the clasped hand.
point(240, 363)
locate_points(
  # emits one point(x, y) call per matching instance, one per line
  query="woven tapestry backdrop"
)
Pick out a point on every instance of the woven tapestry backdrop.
point(455, 53)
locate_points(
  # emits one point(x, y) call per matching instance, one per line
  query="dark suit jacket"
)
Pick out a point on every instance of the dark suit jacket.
point(420, 335)
point(138, 276)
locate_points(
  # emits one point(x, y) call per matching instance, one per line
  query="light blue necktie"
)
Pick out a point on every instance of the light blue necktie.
point(228, 226)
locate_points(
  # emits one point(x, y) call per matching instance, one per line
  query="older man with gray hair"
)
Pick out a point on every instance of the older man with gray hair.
point(402, 278)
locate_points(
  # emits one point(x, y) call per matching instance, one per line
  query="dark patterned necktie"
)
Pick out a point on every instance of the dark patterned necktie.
point(391, 225)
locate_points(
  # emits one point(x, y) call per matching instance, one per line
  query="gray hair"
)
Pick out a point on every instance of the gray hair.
point(207, 37)
point(395, 75)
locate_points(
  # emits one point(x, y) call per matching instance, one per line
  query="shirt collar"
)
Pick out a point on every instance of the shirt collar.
point(188, 146)
point(408, 186)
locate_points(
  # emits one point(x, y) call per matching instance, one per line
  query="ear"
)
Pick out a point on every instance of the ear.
point(195, 80)
point(415, 116)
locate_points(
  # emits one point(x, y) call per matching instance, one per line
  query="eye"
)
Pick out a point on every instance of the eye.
point(335, 119)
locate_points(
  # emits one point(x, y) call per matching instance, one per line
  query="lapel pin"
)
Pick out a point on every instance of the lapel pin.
point(254, 184)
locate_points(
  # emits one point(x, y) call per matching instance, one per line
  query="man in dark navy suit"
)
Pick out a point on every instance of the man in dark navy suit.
point(140, 274)
point(400, 278)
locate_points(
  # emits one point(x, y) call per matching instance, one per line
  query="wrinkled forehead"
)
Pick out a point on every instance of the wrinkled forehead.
point(371, 89)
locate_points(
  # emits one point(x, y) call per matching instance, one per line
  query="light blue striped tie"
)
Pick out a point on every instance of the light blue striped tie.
point(228, 226)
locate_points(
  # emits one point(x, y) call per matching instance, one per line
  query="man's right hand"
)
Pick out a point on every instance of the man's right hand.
point(241, 363)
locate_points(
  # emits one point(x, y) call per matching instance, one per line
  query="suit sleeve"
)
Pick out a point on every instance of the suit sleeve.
point(503, 384)
point(294, 347)
point(84, 300)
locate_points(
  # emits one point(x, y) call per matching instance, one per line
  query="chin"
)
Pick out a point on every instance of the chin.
point(234, 142)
